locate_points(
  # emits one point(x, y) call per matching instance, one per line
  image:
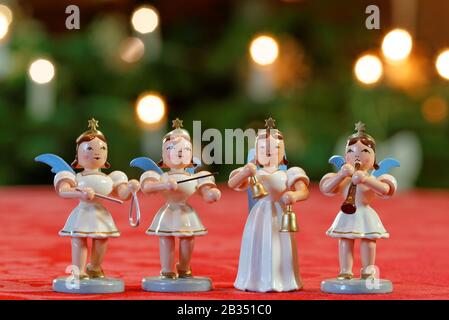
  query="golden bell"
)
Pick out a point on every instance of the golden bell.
point(257, 188)
point(288, 223)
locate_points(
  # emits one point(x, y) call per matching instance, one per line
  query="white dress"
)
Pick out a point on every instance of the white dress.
point(364, 223)
point(177, 218)
point(90, 218)
point(268, 258)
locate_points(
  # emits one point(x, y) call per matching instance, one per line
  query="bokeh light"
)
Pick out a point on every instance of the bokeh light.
point(442, 64)
point(132, 50)
point(434, 109)
point(150, 108)
point(145, 19)
point(397, 45)
point(6, 12)
point(264, 50)
point(41, 71)
point(4, 26)
point(368, 69)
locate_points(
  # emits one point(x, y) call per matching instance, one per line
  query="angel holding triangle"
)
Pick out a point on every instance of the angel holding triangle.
point(90, 219)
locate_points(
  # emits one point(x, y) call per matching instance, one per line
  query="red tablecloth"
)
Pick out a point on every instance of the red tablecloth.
point(415, 258)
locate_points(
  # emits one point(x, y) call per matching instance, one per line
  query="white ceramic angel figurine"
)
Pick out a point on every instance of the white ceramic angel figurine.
point(268, 257)
point(177, 219)
point(356, 219)
point(90, 219)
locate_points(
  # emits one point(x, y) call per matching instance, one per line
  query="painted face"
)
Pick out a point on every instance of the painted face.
point(92, 154)
point(270, 152)
point(362, 154)
point(177, 153)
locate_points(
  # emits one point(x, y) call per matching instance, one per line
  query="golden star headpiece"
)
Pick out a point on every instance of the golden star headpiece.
point(270, 129)
point(360, 127)
point(92, 125)
point(178, 131)
point(270, 123)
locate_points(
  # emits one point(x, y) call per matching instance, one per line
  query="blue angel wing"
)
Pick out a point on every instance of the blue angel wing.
point(337, 161)
point(56, 163)
point(251, 201)
point(145, 164)
point(283, 167)
point(196, 165)
point(385, 165)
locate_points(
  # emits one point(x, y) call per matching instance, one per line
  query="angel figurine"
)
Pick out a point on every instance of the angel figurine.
point(90, 219)
point(176, 219)
point(359, 179)
point(268, 255)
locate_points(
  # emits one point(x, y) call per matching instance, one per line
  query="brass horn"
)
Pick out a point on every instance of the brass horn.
point(349, 206)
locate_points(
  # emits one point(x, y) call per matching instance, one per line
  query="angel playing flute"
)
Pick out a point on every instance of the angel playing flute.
point(359, 180)
point(268, 255)
point(90, 219)
point(176, 219)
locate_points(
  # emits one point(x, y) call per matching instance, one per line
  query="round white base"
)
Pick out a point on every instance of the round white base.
point(357, 286)
point(88, 286)
point(194, 284)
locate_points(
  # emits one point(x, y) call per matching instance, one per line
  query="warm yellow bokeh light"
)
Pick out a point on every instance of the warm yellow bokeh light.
point(132, 50)
point(6, 12)
point(442, 64)
point(368, 69)
point(150, 108)
point(41, 71)
point(397, 45)
point(434, 109)
point(145, 19)
point(264, 50)
point(4, 26)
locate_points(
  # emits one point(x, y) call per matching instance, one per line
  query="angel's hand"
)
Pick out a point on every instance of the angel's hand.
point(212, 195)
point(87, 193)
point(250, 169)
point(359, 177)
point(133, 186)
point(171, 184)
point(289, 198)
point(347, 170)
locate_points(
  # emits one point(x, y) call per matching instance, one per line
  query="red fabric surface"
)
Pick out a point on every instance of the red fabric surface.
point(415, 257)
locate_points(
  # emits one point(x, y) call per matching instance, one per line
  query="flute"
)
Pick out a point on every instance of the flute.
point(349, 206)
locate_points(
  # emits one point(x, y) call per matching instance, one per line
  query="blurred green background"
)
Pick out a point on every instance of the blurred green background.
point(198, 60)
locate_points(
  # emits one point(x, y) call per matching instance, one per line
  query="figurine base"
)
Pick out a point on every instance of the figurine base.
point(88, 286)
point(194, 284)
point(357, 286)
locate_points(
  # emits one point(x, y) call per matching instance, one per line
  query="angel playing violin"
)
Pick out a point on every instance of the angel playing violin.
point(90, 219)
point(176, 219)
point(359, 179)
